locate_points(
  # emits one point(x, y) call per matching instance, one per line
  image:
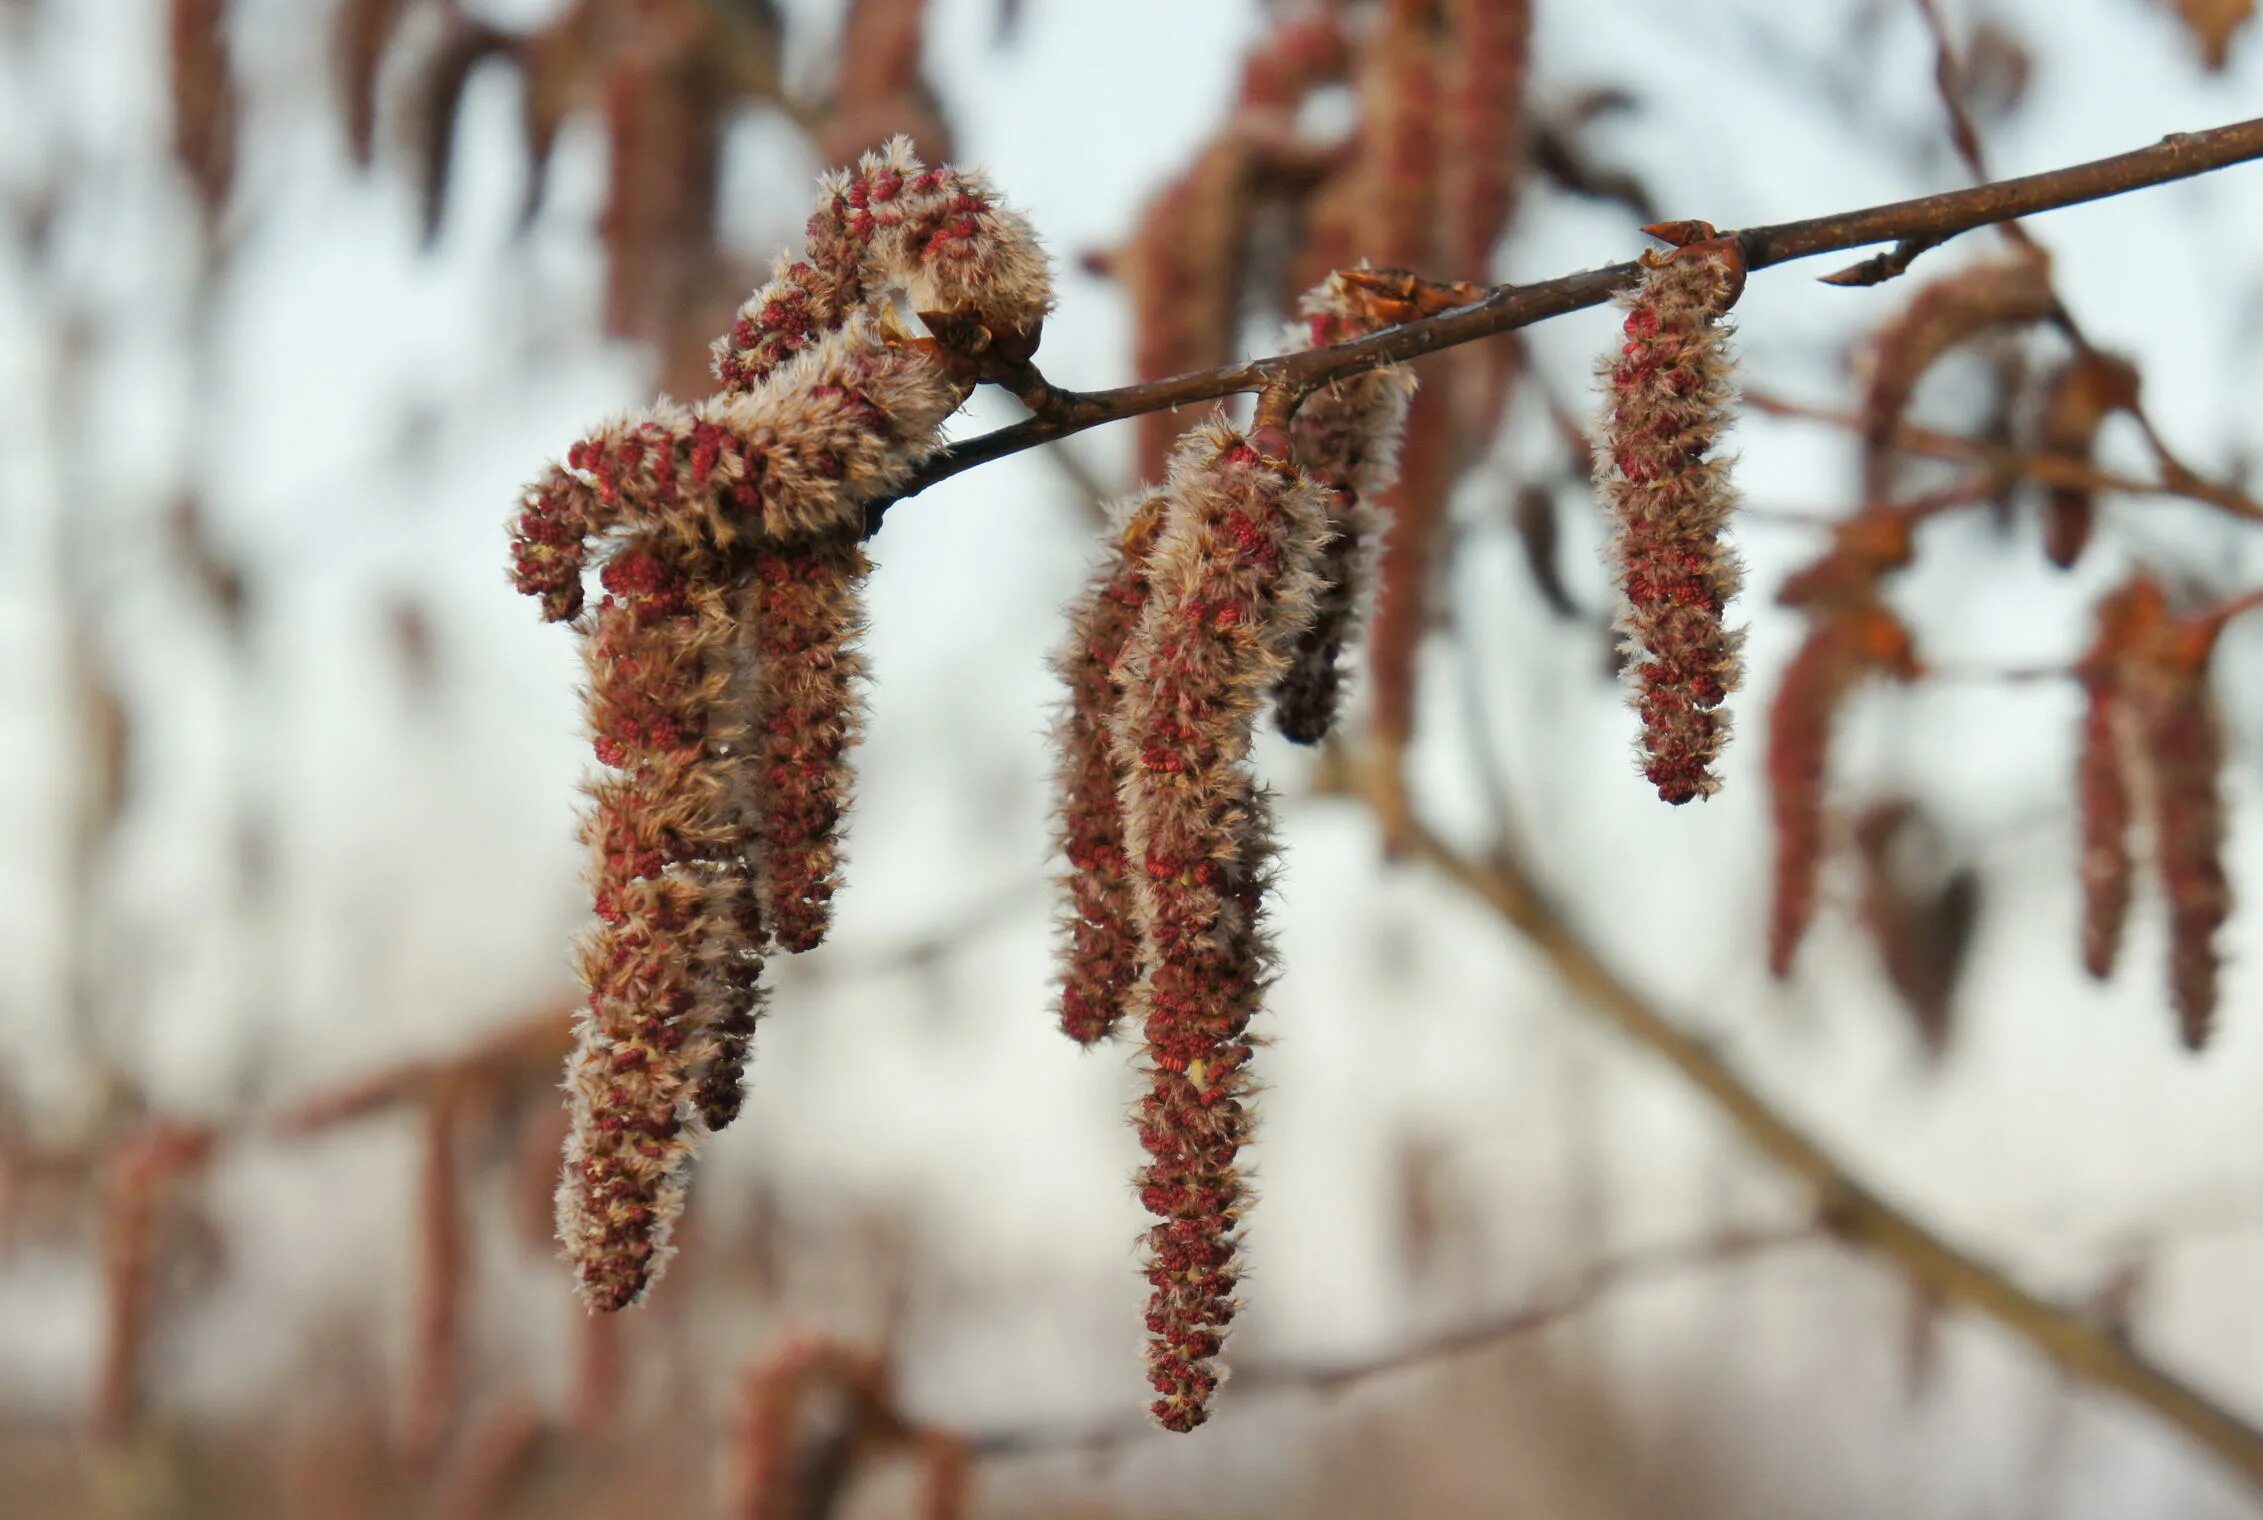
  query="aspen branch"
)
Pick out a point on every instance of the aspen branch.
point(1582, 1291)
point(1854, 1212)
point(1926, 221)
point(2046, 469)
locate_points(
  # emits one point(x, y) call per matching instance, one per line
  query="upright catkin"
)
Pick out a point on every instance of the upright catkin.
point(1667, 488)
point(1231, 582)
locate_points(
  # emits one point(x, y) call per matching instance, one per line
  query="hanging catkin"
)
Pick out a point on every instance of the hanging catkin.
point(723, 676)
point(1232, 578)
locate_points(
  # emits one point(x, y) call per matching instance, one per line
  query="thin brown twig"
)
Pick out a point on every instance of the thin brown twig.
point(2047, 469)
point(1948, 77)
point(1582, 1292)
point(1058, 413)
point(1854, 1212)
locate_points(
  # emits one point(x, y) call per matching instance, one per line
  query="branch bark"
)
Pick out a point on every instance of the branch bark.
point(1583, 1291)
point(1927, 220)
point(2045, 469)
point(1854, 1212)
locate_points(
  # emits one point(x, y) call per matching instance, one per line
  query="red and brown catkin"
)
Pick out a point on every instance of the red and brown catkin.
point(654, 654)
point(2184, 741)
point(2103, 803)
point(1101, 954)
point(1231, 581)
point(1347, 438)
point(722, 671)
point(1849, 642)
point(1667, 402)
point(2153, 736)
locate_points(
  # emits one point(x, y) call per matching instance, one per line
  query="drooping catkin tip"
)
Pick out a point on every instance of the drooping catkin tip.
point(1231, 584)
point(1666, 405)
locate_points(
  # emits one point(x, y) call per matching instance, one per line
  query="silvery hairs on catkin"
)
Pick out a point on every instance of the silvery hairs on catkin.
point(1346, 437)
point(1232, 578)
point(1657, 464)
point(722, 683)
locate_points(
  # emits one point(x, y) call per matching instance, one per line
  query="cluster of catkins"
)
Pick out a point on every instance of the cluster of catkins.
point(1667, 402)
point(2152, 736)
point(1240, 579)
point(723, 675)
point(2152, 740)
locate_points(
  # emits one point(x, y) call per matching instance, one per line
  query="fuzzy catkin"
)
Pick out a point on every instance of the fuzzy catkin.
point(2104, 806)
point(1845, 646)
point(1949, 310)
point(808, 671)
point(1231, 582)
point(723, 673)
point(1347, 438)
point(1670, 497)
point(843, 423)
point(2153, 742)
point(2185, 749)
point(2102, 790)
point(1486, 71)
point(939, 236)
point(656, 649)
point(2089, 388)
point(1101, 960)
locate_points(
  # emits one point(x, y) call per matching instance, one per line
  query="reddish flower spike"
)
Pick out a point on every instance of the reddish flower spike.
point(1232, 578)
point(1669, 495)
